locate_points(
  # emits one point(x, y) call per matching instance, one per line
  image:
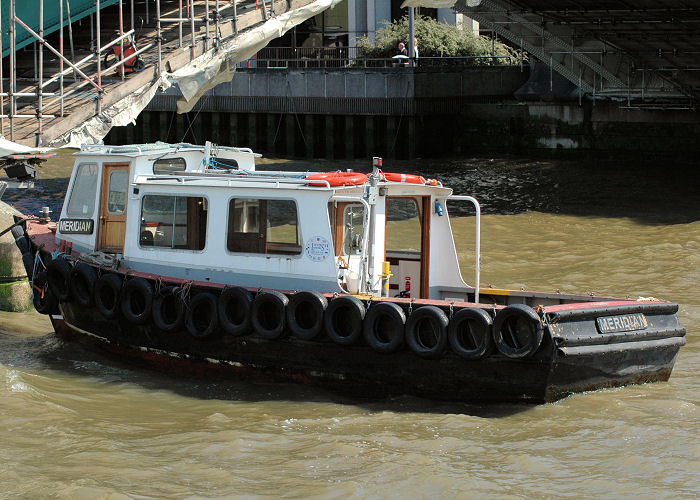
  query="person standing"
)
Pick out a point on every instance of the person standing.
point(402, 50)
point(415, 50)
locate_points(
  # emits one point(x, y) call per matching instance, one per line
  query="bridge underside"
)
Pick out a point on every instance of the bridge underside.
point(644, 53)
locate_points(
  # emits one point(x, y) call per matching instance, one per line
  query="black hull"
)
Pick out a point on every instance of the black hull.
point(552, 373)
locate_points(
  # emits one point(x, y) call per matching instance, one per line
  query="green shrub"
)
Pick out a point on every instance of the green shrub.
point(436, 40)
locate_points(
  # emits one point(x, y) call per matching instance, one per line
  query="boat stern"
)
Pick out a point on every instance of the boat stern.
point(610, 344)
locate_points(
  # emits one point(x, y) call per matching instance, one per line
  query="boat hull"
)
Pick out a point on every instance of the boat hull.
point(558, 369)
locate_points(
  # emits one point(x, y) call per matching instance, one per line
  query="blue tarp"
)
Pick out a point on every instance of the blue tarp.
point(28, 12)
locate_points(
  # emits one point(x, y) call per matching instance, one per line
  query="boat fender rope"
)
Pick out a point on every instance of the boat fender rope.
point(452, 309)
point(410, 306)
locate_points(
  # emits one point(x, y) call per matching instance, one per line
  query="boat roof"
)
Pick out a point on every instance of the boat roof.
point(136, 150)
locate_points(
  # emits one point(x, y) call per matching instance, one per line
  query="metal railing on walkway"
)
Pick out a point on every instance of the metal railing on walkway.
point(349, 57)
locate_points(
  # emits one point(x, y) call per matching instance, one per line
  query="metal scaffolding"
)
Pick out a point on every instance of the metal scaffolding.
point(28, 103)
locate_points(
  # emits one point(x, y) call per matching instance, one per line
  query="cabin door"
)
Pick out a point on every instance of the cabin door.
point(112, 227)
point(408, 245)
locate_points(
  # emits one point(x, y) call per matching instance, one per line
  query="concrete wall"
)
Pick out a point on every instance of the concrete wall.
point(401, 112)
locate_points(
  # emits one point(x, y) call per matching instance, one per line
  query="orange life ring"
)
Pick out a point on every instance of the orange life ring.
point(409, 178)
point(337, 179)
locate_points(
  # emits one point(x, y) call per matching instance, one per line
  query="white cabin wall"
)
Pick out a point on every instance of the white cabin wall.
point(216, 264)
point(444, 264)
point(378, 245)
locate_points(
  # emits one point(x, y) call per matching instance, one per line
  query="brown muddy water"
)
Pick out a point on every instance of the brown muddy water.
point(75, 425)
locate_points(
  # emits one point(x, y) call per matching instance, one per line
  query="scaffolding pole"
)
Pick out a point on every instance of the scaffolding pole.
point(190, 6)
point(160, 39)
point(40, 86)
point(13, 72)
point(2, 99)
point(60, 49)
point(99, 63)
point(206, 25)
point(121, 34)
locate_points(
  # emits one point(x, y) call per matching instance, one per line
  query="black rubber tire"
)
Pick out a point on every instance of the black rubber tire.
point(22, 244)
point(343, 319)
point(137, 301)
point(58, 271)
point(28, 261)
point(470, 333)
point(169, 309)
point(44, 301)
point(17, 232)
point(234, 307)
point(82, 283)
point(384, 327)
point(202, 319)
point(426, 331)
point(305, 314)
point(517, 331)
point(106, 295)
point(268, 314)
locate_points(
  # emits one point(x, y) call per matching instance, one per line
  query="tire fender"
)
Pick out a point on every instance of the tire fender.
point(82, 283)
point(137, 301)
point(42, 297)
point(106, 295)
point(202, 319)
point(234, 310)
point(305, 314)
point(268, 314)
point(470, 333)
point(517, 331)
point(169, 309)
point(426, 331)
point(383, 327)
point(343, 319)
point(58, 272)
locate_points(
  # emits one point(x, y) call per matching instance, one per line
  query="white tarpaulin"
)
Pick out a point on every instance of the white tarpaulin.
point(12, 148)
point(194, 78)
point(207, 71)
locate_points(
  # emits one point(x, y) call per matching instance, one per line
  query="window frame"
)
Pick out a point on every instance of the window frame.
point(170, 159)
point(286, 255)
point(207, 203)
point(98, 177)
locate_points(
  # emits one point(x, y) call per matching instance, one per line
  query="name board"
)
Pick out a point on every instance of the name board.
point(76, 226)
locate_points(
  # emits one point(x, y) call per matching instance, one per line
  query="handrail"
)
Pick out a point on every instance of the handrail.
point(478, 239)
point(364, 275)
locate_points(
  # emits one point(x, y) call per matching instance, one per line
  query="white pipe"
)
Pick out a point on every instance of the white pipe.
point(364, 279)
point(478, 239)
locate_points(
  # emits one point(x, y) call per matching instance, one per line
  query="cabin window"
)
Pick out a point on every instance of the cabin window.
point(178, 222)
point(353, 224)
point(164, 166)
point(82, 198)
point(403, 225)
point(263, 226)
point(116, 197)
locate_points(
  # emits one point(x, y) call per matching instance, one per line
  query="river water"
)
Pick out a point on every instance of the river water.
point(75, 425)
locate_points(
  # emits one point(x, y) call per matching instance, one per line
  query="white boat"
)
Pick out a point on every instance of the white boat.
point(188, 258)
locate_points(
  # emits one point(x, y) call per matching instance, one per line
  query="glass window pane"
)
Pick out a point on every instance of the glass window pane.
point(282, 222)
point(164, 166)
point(403, 225)
point(82, 198)
point(353, 225)
point(116, 197)
point(263, 226)
point(173, 222)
